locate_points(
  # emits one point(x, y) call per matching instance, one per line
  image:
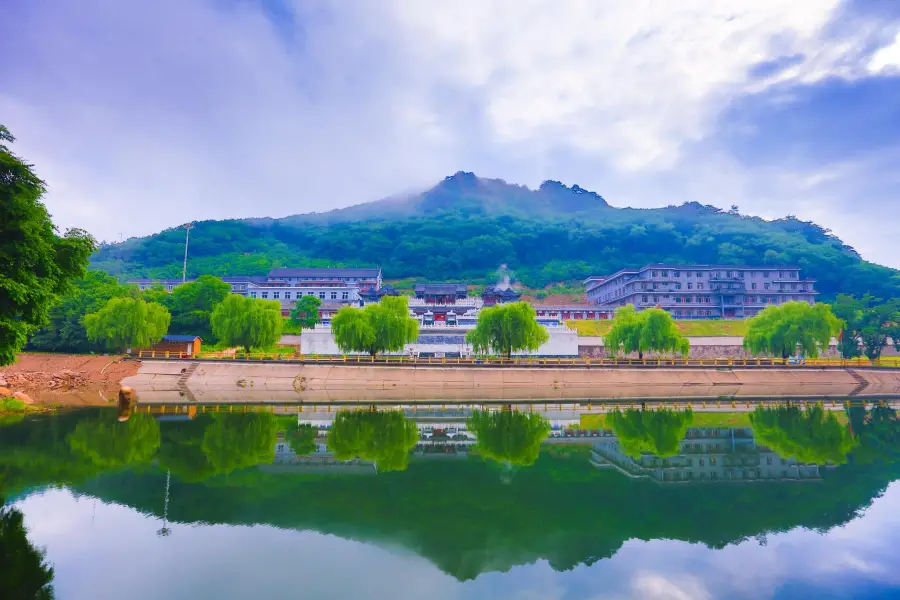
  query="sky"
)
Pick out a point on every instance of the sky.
point(145, 114)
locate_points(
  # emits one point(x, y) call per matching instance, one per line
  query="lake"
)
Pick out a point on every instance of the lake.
point(456, 502)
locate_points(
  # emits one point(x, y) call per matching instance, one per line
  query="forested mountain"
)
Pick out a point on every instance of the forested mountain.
point(466, 227)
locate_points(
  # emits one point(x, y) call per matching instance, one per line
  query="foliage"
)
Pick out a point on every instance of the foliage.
point(383, 437)
point(192, 305)
point(301, 438)
point(650, 330)
point(127, 323)
point(382, 327)
point(658, 432)
point(692, 328)
point(110, 444)
point(24, 572)
point(507, 328)
point(811, 436)
point(778, 330)
point(305, 313)
point(868, 321)
point(247, 322)
point(876, 433)
point(549, 235)
point(236, 441)
point(65, 331)
point(36, 263)
point(510, 437)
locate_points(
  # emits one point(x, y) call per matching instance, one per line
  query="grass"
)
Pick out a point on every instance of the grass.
point(689, 328)
point(12, 406)
point(701, 419)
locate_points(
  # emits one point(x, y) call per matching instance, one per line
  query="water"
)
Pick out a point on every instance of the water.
point(451, 504)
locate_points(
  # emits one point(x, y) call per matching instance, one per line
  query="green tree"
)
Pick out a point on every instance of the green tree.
point(651, 330)
point(36, 263)
point(811, 436)
point(192, 305)
point(65, 331)
point(382, 327)
point(780, 330)
point(507, 328)
point(127, 323)
point(157, 293)
point(305, 313)
point(247, 322)
point(509, 437)
point(237, 441)
point(109, 444)
point(301, 438)
point(868, 321)
point(658, 432)
point(24, 572)
point(383, 437)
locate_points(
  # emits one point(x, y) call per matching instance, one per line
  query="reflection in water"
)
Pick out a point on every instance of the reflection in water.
point(23, 571)
point(578, 501)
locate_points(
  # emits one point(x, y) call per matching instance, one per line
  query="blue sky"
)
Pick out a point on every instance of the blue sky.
point(145, 114)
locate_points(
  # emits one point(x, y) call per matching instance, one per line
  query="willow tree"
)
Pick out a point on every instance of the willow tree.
point(780, 330)
point(247, 322)
point(509, 437)
point(237, 441)
point(127, 323)
point(107, 443)
point(658, 432)
point(24, 568)
point(383, 437)
point(382, 327)
point(507, 328)
point(651, 330)
point(810, 436)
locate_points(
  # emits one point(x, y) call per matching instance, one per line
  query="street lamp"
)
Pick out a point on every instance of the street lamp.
point(187, 237)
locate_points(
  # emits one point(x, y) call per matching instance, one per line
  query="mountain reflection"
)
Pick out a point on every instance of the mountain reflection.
point(577, 496)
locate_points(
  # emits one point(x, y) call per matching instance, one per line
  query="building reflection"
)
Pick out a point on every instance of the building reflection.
point(705, 454)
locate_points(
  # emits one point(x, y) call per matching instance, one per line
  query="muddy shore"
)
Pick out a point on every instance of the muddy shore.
point(68, 379)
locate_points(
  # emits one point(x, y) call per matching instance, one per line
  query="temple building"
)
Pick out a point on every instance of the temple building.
point(496, 294)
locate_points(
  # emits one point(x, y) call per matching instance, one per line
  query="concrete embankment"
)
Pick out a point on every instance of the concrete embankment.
point(211, 381)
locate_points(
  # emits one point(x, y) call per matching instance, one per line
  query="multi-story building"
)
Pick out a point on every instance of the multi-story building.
point(702, 291)
point(707, 454)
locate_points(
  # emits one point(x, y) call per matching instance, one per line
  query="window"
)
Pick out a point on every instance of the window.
point(656, 298)
point(690, 286)
point(699, 274)
point(676, 273)
point(678, 299)
point(699, 286)
point(265, 294)
point(643, 298)
point(766, 274)
point(276, 295)
point(322, 295)
point(253, 294)
point(677, 286)
point(690, 273)
point(752, 286)
point(287, 295)
point(706, 299)
point(768, 460)
point(665, 273)
point(702, 462)
point(712, 461)
point(654, 274)
point(345, 295)
point(334, 295)
point(765, 286)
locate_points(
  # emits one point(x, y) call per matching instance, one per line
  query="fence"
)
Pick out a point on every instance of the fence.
point(492, 361)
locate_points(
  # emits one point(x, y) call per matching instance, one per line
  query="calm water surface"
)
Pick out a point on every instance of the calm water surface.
point(455, 504)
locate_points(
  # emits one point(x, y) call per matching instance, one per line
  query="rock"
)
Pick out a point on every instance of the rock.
point(23, 397)
point(5, 392)
point(3, 382)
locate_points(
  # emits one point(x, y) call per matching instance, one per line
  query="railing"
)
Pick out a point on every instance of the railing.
point(293, 356)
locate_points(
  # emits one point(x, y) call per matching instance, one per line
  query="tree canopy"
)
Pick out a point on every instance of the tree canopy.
point(192, 305)
point(509, 436)
point(383, 437)
point(869, 322)
point(811, 436)
point(658, 432)
point(127, 323)
point(382, 327)
point(305, 313)
point(779, 330)
point(650, 330)
point(24, 571)
point(36, 263)
point(247, 322)
point(507, 328)
point(108, 443)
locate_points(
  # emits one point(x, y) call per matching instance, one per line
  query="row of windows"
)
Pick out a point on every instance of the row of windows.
point(719, 274)
point(287, 295)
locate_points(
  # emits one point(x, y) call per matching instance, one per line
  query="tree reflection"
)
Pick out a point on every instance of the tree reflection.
point(301, 438)
point(811, 436)
point(510, 437)
point(23, 571)
point(658, 432)
point(383, 437)
point(877, 433)
point(108, 443)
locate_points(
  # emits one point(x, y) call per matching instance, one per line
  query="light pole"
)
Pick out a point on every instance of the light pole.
point(187, 237)
point(165, 531)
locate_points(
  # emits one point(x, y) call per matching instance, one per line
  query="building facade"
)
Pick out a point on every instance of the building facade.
point(701, 291)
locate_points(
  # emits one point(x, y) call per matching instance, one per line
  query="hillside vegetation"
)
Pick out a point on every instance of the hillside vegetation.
point(466, 227)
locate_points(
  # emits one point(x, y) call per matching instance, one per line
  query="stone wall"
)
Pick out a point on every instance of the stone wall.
point(699, 351)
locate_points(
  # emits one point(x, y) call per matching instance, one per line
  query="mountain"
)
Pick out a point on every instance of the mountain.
point(465, 227)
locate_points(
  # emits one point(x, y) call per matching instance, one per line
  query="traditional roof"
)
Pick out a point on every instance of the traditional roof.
point(324, 272)
point(441, 288)
point(502, 292)
point(243, 278)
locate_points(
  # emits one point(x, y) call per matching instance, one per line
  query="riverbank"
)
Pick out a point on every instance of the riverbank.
point(241, 382)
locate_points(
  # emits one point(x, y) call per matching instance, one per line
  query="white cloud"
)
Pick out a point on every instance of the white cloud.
point(143, 115)
point(886, 59)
